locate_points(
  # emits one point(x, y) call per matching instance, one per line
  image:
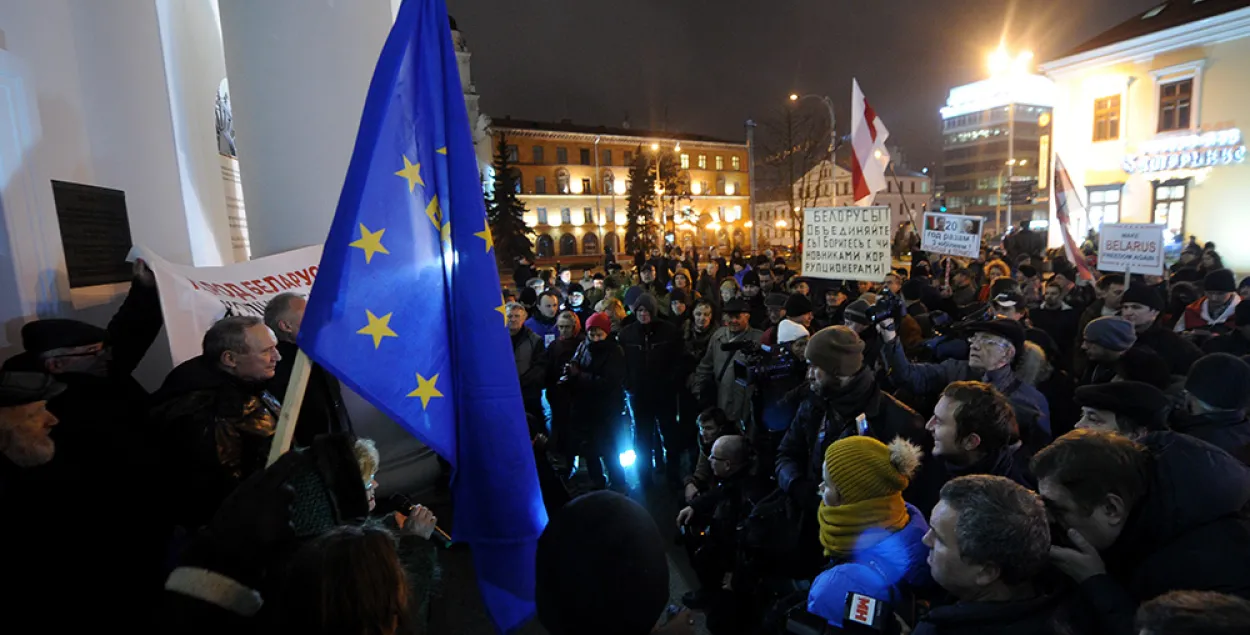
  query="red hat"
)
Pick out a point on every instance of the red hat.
point(599, 320)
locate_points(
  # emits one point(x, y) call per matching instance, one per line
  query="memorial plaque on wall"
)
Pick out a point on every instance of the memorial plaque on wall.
point(95, 233)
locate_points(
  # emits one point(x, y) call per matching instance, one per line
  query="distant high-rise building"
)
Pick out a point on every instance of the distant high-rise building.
point(996, 140)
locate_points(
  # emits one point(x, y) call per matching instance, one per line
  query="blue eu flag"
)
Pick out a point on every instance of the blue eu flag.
point(407, 310)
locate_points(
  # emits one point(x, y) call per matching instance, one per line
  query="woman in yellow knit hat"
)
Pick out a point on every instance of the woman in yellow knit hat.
point(873, 538)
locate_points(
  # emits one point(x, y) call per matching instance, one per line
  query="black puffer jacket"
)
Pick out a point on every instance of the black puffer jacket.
point(597, 396)
point(1043, 615)
point(1177, 351)
point(1190, 531)
point(216, 431)
point(652, 355)
point(1228, 430)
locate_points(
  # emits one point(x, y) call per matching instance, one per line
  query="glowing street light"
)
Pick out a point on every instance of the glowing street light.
point(696, 188)
point(781, 224)
point(1003, 63)
point(619, 188)
point(794, 97)
point(655, 147)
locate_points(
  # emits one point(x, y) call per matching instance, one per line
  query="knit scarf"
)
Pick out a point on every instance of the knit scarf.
point(842, 526)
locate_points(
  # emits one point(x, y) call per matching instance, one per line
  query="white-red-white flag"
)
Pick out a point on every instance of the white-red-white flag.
point(869, 158)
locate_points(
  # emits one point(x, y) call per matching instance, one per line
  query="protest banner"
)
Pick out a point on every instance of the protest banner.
point(846, 243)
point(193, 298)
point(952, 235)
point(1131, 248)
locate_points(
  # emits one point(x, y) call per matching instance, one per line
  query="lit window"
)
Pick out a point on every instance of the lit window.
point(542, 216)
point(736, 162)
point(720, 163)
point(1104, 205)
point(566, 216)
point(1169, 208)
point(1175, 103)
point(586, 186)
point(702, 162)
point(685, 162)
point(1107, 118)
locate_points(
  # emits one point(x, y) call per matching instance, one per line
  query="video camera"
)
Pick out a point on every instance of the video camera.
point(888, 306)
point(762, 363)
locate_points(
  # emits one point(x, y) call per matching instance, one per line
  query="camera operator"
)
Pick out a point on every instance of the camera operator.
point(844, 401)
point(996, 347)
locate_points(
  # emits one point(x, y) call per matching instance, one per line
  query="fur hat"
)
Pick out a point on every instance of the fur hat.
point(837, 350)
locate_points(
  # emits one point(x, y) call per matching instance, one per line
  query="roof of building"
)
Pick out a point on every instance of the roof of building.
point(567, 125)
point(1164, 16)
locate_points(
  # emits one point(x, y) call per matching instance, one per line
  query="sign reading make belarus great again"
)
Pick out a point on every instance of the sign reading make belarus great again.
point(846, 243)
point(193, 298)
point(1135, 248)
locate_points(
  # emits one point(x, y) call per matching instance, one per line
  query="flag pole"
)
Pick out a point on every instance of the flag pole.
point(906, 208)
point(295, 388)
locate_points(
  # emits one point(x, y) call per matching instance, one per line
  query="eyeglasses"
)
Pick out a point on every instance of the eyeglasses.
point(987, 340)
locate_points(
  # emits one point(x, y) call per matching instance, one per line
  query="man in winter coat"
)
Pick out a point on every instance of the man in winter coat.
point(217, 417)
point(994, 349)
point(1109, 289)
point(653, 349)
point(544, 322)
point(715, 374)
point(323, 411)
point(1105, 342)
point(1129, 408)
point(988, 543)
point(696, 335)
point(1142, 305)
point(527, 349)
point(841, 389)
point(1217, 390)
point(971, 432)
point(1057, 318)
point(1144, 518)
point(1216, 312)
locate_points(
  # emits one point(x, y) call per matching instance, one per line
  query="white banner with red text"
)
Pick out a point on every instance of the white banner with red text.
point(193, 298)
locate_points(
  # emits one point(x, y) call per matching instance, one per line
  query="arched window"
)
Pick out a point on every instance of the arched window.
point(613, 243)
point(546, 247)
point(590, 245)
point(562, 181)
point(568, 245)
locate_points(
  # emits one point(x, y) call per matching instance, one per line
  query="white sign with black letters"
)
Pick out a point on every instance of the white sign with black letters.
point(846, 243)
point(1131, 248)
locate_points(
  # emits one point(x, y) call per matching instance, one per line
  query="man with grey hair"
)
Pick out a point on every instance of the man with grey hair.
point(215, 417)
point(322, 411)
point(988, 540)
point(527, 348)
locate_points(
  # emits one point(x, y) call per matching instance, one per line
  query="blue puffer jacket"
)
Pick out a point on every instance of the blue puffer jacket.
point(900, 560)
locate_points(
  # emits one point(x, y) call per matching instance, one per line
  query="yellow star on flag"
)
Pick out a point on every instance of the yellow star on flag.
point(503, 309)
point(412, 172)
point(442, 151)
point(485, 235)
point(435, 213)
point(370, 242)
point(379, 327)
point(426, 390)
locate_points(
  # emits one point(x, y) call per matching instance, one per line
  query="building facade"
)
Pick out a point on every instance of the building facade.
point(574, 181)
point(1147, 123)
point(996, 132)
point(907, 197)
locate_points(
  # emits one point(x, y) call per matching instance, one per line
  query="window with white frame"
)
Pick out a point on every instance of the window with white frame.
point(1104, 205)
point(1170, 198)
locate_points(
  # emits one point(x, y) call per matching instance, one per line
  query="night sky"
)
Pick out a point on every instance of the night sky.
point(711, 64)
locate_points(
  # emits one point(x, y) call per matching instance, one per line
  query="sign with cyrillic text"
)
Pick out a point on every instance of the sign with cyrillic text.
point(193, 298)
point(846, 243)
point(952, 235)
point(1131, 248)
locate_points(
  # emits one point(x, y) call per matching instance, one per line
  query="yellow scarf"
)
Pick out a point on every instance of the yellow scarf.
point(842, 526)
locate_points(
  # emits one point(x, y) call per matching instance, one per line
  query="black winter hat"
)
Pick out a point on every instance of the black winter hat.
point(1146, 404)
point(21, 388)
point(576, 287)
point(1219, 380)
point(1002, 327)
point(528, 297)
point(734, 306)
point(679, 295)
point(751, 278)
point(775, 300)
point(1220, 280)
point(1144, 295)
point(797, 304)
point(42, 336)
point(601, 568)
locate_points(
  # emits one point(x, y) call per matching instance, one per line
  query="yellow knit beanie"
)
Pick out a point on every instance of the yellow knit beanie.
point(863, 467)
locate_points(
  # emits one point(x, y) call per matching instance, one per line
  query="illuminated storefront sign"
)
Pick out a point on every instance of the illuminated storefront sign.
point(1190, 152)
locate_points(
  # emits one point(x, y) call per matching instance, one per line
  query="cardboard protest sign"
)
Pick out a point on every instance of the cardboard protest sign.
point(1131, 248)
point(952, 235)
point(846, 243)
point(193, 298)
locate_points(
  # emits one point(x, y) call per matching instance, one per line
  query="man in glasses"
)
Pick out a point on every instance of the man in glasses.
point(995, 348)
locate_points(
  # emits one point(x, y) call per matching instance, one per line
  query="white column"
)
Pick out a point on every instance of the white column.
point(298, 73)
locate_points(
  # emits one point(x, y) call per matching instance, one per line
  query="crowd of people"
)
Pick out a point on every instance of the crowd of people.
point(989, 446)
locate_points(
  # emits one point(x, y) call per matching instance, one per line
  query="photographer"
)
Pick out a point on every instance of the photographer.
point(715, 377)
point(995, 348)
